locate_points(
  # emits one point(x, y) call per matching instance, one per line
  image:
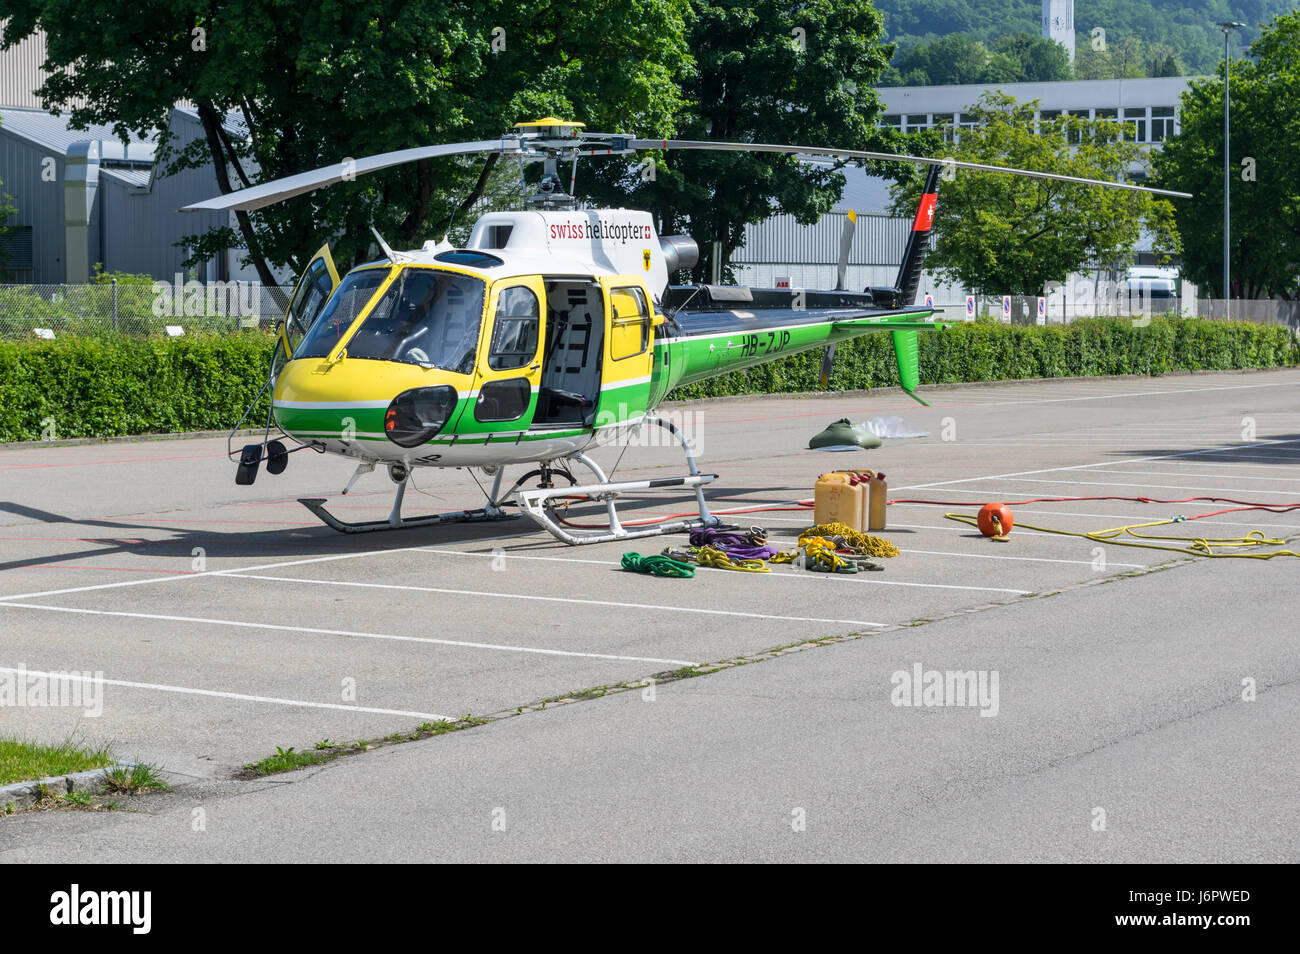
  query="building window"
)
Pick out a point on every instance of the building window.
point(1045, 118)
point(918, 121)
point(893, 120)
point(1075, 135)
point(1137, 119)
point(1162, 123)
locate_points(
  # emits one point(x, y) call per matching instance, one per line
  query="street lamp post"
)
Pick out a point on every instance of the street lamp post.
point(1227, 27)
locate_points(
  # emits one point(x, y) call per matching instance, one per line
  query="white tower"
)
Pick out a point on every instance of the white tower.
point(1058, 23)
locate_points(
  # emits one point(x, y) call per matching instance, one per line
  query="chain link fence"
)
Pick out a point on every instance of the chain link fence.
point(1031, 310)
point(54, 311)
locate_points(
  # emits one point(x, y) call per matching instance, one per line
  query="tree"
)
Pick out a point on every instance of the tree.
point(1111, 58)
point(766, 71)
point(1265, 194)
point(958, 58)
point(283, 87)
point(1035, 58)
point(1004, 234)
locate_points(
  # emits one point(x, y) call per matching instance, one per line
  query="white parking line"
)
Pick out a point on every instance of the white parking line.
point(767, 576)
point(239, 696)
point(1131, 394)
point(242, 624)
point(1199, 491)
point(993, 556)
point(1166, 473)
point(1028, 508)
point(572, 600)
point(190, 576)
point(1102, 463)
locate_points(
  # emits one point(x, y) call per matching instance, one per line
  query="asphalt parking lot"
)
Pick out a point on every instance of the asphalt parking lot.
point(226, 621)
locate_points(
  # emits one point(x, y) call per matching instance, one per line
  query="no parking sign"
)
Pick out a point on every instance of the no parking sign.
point(970, 307)
point(1006, 308)
point(1042, 311)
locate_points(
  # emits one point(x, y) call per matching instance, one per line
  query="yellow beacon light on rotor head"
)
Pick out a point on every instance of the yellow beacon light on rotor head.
point(552, 128)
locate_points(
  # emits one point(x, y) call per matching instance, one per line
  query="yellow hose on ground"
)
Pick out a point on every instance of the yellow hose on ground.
point(1199, 546)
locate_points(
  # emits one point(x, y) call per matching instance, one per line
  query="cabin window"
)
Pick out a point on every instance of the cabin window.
point(502, 400)
point(630, 322)
point(340, 311)
point(312, 292)
point(427, 317)
point(514, 330)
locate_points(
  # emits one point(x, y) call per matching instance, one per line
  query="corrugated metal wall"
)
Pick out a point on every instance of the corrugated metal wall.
point(141, 229)
point(39, 203)
point(21, 73)
point(877, 240)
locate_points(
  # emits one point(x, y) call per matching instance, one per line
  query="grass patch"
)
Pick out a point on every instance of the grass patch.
point(134, 779)
point(23, 761)
point(326, 750)
point(286, 760)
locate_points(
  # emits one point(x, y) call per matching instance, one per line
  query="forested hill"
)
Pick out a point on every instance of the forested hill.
point(1191, 31)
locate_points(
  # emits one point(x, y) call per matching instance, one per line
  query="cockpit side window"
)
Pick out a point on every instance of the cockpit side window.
point(352, 295)
point(427, 317)
point(514, 334)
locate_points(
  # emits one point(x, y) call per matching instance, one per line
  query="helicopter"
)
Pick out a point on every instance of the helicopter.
point(555, 330)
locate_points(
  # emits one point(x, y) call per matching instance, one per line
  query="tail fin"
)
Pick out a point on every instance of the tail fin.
point(908, 355)
point(918, 243)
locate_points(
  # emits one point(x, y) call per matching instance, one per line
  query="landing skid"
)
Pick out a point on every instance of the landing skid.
point(535, 503)
point(395, 519)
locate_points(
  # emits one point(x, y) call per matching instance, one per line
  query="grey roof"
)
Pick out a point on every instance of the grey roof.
point(134, 176)
point(53, 132)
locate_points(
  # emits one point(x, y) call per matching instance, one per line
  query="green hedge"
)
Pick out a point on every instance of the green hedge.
point(101, 387)
point(997, 352)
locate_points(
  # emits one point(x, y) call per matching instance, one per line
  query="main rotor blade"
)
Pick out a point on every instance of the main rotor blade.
point(277, 190)
point(859, 154)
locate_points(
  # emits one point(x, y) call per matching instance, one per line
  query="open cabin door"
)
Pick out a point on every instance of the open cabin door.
point(509, 367)
point(629, 351)
point(315, 285)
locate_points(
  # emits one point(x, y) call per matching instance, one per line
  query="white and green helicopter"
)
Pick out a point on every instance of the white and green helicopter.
point(554, 331)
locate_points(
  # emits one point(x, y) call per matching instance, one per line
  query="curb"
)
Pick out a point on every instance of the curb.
point(129, 439)
point(960, 386)
point(26, 794)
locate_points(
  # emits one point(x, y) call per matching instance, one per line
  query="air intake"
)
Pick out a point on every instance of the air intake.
point(680, 251)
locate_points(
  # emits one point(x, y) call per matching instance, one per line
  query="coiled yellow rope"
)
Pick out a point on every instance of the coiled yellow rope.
point(710, 556)
point(853, 539)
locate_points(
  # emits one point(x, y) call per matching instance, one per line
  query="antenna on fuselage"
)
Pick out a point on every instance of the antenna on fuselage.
point(388, 252)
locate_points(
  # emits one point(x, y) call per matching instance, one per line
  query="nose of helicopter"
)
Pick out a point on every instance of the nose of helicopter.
point(379, 408)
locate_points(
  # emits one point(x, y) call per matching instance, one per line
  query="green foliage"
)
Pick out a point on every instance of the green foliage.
point(350, 80)
point(1188, 30)
point(22, 760)
point(1265, 193)
point(765, 71)
point(118, 385)
point(958, 58)
point(997, 352)
point(1003, 234)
